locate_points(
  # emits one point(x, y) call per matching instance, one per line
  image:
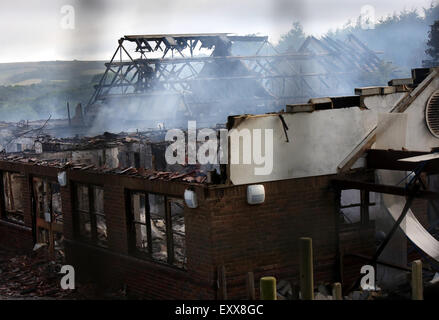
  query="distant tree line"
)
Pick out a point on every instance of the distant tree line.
point(402, 38)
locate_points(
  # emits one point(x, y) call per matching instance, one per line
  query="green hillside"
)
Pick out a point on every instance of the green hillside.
point(36, 90)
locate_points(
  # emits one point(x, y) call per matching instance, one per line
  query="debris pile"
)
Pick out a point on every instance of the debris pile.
point(36, 276)
point(188, 175)
point(31, 275)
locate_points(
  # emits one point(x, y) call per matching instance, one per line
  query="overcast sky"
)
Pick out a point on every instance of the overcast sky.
point(31, 30)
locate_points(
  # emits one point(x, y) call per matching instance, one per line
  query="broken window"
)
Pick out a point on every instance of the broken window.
point(176, 208)
point(48, 212)
point(13, 197)
point(157, 211)
point(354, 206)
point(91, 222)
point(158, 227)
point(141, 222)
point(48, 200)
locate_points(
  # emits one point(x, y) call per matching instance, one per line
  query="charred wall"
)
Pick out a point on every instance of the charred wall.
point(222, 230)
point(264, 239)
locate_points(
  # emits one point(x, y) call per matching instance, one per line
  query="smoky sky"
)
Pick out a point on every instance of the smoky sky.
point(32, 30)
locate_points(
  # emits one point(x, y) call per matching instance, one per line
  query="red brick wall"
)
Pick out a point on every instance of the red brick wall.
point(143, 279)
point(264, 238)
point(14, 237)
point(115, 266)
point(224, 229)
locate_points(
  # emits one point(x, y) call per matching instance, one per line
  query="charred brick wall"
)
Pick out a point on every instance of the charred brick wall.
point(264, 238)
point(21, 236)
point(15, 237)
point(117, 267)
point(223, 230)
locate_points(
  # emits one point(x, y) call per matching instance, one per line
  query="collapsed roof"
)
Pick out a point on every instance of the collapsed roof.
point(198, 74)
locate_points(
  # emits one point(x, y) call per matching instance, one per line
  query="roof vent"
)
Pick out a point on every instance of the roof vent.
point(432, 114)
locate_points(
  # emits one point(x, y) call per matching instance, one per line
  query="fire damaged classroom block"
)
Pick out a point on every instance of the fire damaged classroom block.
point(112, 206)
point(128, 225)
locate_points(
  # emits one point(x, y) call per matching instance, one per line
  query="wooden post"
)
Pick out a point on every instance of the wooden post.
point(306, 269)
point(222, 283)
point(417, 288)
point(268, 288)
point(336, 291)
point(251, 286)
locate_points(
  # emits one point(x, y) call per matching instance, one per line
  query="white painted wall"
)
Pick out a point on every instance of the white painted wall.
point(319, 141)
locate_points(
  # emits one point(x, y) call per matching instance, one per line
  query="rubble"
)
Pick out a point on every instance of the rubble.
point(35, 276)
point(189, 175)
point(31, 275)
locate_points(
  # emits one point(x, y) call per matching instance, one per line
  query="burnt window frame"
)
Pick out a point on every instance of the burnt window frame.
point(363, 207)
point(169, 232)
point(92, 213)
point(54, 185)
point(132, 225)
point(56, 223)
point(3, 211)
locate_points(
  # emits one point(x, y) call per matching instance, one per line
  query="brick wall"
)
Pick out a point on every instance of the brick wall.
point(223, 230)
point(143, 279)
point(264, 238)
point(15, 237)
point(116, 266)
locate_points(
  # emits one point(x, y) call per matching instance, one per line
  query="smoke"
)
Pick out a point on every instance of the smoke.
point(401, 39)
point(141, 113)
point(206, 92)
point(237, 86)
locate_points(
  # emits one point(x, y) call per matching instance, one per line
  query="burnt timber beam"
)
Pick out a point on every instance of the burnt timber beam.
point(257, 77)
point(343, 184)
point(194, 37)
point(388, 159)
point(278, 57)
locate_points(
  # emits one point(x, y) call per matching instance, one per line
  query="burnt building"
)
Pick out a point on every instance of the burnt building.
point(334, 165)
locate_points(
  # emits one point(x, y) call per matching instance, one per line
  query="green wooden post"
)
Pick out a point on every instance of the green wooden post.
point(268, 288)
point(306, 269)
point(336, 291)
point(417, 288)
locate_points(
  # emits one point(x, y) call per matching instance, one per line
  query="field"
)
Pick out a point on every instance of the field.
point(37, 90)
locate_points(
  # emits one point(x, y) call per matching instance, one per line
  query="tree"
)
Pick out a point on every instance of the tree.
point(433, 45)
point(293, 39)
